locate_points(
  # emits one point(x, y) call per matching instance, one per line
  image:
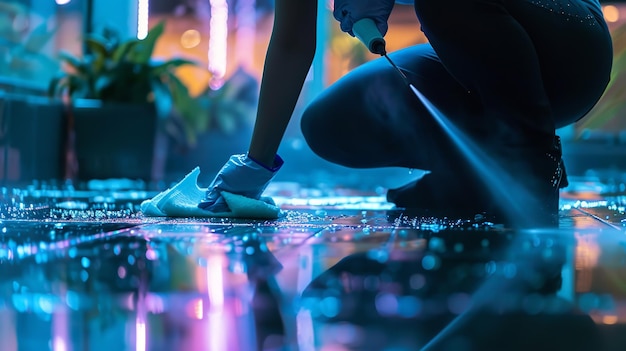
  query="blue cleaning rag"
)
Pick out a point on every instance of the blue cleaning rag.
point(182, 200)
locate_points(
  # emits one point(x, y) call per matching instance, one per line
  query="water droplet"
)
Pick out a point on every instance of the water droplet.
point(458, 247)
point(430, 262)
point(490, 267)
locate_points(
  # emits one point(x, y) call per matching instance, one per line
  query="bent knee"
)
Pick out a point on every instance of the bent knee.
point(315, 127)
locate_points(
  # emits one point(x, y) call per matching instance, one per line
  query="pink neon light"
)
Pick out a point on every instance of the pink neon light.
point(218, 42)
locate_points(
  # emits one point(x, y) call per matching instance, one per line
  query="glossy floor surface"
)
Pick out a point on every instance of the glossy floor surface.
point(341, 270)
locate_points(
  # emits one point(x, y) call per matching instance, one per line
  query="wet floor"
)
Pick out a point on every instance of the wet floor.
point(341, 270)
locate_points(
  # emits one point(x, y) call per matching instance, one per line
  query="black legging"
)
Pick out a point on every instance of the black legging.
point(505, 70)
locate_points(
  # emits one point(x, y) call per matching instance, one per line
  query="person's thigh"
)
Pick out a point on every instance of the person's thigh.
point(531, 60)
point(574, 49)
point(371, 118)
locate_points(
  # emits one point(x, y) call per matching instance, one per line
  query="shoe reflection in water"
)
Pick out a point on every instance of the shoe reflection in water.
point(422, 297)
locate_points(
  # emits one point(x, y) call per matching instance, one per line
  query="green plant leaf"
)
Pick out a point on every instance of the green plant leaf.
point(102, 49)
point(111, 35)
point(190, 108)
point(99, 50)
point(161, 68)
point(73, 61)
point(103, 82)
point(122, 51)
point(99, 43)
point(162, 98)
point(56, 85)
point(79, 88)
point(142, 52)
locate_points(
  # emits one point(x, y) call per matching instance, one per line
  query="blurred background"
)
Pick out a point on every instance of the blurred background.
point(148, 89)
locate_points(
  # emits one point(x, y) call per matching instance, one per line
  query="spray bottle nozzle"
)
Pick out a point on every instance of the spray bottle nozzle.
point(377, 46)
point(366, 31)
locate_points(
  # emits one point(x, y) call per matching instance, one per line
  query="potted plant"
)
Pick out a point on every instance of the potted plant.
point(232, 108)
point(122, 102)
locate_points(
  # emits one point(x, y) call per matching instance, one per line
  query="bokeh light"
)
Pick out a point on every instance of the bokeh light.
point(611, 13)
point(190, 39)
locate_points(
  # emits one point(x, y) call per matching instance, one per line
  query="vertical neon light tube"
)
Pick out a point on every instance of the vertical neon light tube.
point(218, 331)
point(8, 332)
point(140, 319)
point(140, 336)
point(218, 42)
point(60, 325)
point(143, 7)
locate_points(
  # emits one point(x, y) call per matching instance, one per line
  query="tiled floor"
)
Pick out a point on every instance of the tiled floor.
point(342, 270)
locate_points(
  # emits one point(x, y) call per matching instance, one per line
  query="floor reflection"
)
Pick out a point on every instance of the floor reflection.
point(91, 274)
